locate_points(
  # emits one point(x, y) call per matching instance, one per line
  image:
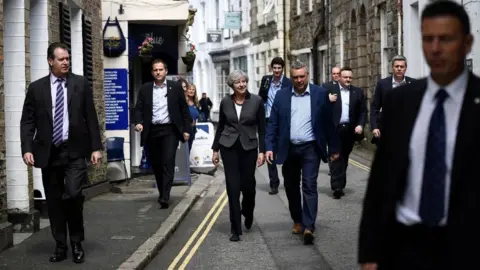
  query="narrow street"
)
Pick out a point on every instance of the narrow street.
point(201, 241)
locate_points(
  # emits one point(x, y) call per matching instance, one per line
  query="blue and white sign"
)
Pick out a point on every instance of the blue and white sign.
point(201, 154)
point(115, 85)
point(233, 20)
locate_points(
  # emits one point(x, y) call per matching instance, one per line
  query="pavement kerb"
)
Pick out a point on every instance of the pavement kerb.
point(145, 253)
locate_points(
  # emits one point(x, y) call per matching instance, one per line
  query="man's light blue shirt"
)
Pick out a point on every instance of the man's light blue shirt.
point(301, 130)
point(272, 91)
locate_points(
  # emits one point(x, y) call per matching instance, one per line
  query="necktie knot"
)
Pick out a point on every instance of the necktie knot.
point(59, 80)
point(441, 95)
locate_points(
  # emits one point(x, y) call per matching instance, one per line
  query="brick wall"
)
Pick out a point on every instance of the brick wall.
point(92, 11)
point(3, 178)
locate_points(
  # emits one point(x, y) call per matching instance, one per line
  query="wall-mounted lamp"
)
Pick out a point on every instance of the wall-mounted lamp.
point(120, 9)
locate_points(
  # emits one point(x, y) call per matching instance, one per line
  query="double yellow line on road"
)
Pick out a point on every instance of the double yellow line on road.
point(215, 211)
point(359, 165)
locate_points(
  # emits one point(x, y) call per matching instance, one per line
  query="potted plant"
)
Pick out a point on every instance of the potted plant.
point(189, 58)
point(145, 49)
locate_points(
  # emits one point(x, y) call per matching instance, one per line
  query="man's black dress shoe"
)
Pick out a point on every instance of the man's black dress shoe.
point(58, 256)
point(248, 222)
point(234, 238)
point(273, 191)
point(338, 193)
point(163, 203)
point(78, 253)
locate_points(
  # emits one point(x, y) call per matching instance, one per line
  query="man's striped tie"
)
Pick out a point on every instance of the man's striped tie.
point(58, 122)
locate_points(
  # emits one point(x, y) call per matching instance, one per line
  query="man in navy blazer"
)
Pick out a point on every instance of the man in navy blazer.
point(299, 129)
point(269, 87)
point(385, 85)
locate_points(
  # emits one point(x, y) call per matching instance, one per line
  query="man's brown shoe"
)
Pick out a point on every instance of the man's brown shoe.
point(297, 228)
point(308, 237)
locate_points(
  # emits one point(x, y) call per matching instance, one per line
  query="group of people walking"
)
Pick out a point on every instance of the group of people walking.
point(419, 207)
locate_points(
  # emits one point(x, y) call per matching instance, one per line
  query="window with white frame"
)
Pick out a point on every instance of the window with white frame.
point(322, 66)
point(241, 63)
point(385, 67)
point(299, 7)
point(217, 14)
point(310, 5)
point(306, 58)
point(222, 88)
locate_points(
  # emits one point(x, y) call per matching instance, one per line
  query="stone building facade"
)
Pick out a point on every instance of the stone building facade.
point(361, 34)
point(27, 28)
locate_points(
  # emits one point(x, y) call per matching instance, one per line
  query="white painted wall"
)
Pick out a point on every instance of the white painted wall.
point(412, 10)
point(38, 59)
point(77, 41)
point(15, 86)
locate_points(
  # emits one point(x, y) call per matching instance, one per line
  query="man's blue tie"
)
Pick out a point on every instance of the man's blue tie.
point(58, 121)
point(432, 203)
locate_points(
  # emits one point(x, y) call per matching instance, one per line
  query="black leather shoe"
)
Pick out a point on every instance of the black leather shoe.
point(163, 205)
point(273, 191)
point(78, 253)
point(338, 193)
point(58, 256)
point(234, 238)
point(248, 222)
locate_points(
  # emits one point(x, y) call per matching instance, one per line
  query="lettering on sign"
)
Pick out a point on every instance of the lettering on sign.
point(116, 99)
point(155, 40)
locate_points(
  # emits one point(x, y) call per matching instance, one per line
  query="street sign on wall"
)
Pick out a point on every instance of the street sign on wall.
point(214, 36)
point(232, 20)
point(115, 85)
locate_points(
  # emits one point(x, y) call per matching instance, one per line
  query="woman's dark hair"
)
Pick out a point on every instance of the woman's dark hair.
point(182, 80)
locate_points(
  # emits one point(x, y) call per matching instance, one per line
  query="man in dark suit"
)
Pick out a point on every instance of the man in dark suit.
point(399, 67)
point(349, 116)
point(299, 129)
point(335, 77)
point(421, 205)
point(269, 87)
point(161, 114)
point(59, 130)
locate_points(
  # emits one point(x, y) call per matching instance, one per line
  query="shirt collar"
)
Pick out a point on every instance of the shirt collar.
point(307, 91)
point(160, 86)
point(53, 78)
point(455, 89)
point(279, 81)
point(395, 82)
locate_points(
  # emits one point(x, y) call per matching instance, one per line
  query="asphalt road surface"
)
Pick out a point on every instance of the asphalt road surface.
point(201, 241)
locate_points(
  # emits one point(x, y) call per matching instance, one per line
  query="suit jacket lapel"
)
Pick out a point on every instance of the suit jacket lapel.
point(351, 103)
point(47, 94)
point(71, 88)
point(465, 136)
point(170, 97)
point(288, 108)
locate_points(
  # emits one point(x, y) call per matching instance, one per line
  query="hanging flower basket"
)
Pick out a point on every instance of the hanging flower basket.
point(145, 58)
point(189, 60)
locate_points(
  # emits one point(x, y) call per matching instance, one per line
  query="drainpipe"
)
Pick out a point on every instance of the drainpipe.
point(400, 29)
point(286, 43)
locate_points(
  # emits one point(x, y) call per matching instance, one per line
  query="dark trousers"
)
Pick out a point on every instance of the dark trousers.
point(338, 168)
point(417, 248)
point(63, 180)
point(303, 162)
point(239, 165)
point(273, 172)
point(162, 143)
point(192, 138)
